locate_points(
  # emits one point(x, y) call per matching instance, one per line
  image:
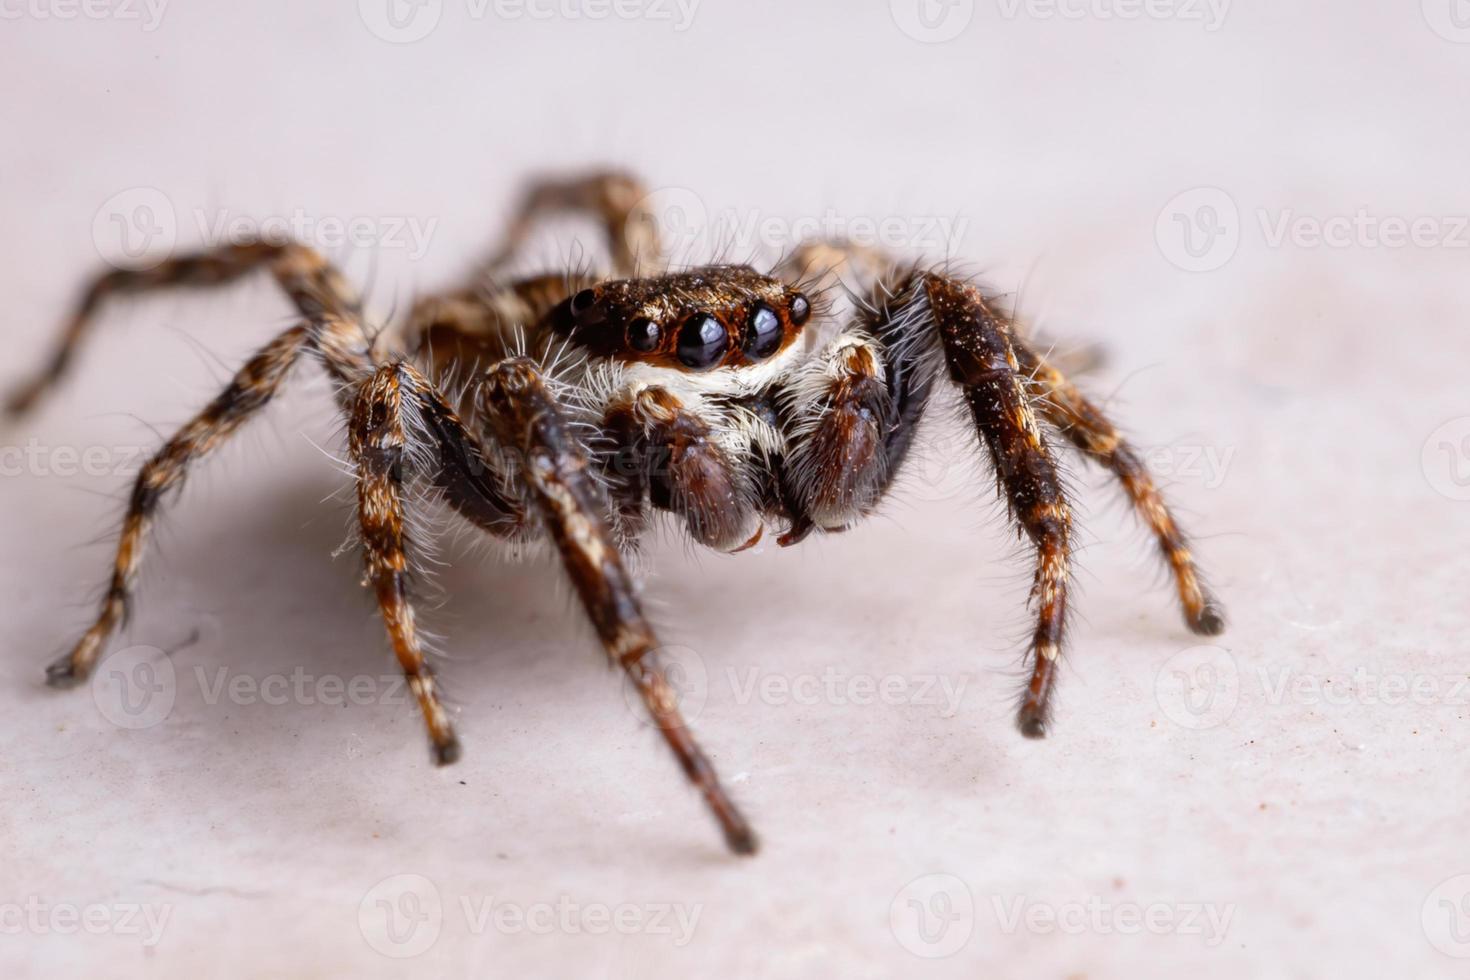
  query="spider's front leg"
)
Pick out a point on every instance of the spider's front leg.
point(979, 351)
point(526, 420)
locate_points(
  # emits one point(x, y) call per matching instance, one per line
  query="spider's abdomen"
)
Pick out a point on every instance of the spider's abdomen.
point(711, 317)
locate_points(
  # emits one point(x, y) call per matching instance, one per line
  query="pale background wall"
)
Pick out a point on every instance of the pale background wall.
point(1306, 402)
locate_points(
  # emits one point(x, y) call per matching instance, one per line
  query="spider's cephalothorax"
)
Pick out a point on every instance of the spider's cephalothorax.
point(583, 405)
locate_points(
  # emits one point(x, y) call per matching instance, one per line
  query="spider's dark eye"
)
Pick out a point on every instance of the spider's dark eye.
point(583, 302)
point(644, 335)
point(702, 342)
point(762, 332)
point(801, 309)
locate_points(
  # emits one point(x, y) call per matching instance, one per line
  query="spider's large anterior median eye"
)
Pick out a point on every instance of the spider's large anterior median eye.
point(644, 335)
point(702, 342)
point(762, 332)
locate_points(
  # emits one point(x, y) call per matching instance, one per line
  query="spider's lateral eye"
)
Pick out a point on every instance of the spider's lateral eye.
point(644, 335)
point(763, 332)
point(801, 309)
point(583, 301)
point(702, 342)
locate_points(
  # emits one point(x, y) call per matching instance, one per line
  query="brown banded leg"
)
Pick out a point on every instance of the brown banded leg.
point(379, 443)
point(1089, 430)
point(618, 200)
point(526, 419)
point(671, 451)
point(247, 393)
point(316, 288)
point(981, 355)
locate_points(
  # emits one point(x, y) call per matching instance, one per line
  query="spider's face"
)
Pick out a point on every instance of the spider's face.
point(710, 317)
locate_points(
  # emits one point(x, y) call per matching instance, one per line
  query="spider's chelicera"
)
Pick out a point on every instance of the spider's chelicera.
point(583, 405)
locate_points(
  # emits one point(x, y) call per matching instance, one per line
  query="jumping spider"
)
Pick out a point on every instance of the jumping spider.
point(726, 397)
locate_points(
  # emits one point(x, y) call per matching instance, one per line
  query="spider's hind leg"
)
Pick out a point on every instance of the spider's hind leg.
point(318, 291)
point(617, 199)
point(255, 385)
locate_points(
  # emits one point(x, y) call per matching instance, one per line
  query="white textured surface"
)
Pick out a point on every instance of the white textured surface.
point(1321, 824)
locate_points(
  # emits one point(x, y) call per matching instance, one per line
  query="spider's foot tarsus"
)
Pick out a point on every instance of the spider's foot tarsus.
point(19, 402)
point(741, 839)
point(1031, 723)
point(1210, 621)
point(446, 753)
point(62, 674)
